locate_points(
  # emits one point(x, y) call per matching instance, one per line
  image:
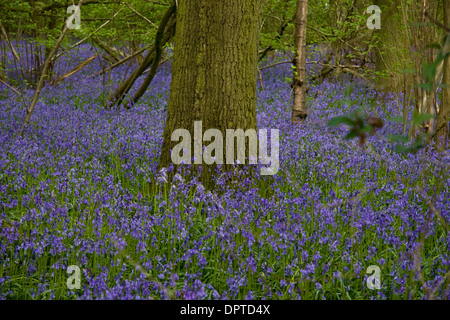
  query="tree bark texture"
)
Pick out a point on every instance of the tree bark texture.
point(214, 71)
point(299, 112)
point(393, 49)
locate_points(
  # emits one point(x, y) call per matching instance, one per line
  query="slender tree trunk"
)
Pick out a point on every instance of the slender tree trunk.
point(214, 71)
point(442, 127)
point(299, 112)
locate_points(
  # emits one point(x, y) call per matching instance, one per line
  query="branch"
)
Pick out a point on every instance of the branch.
point(439, 24)
point(140, 15)
point(120, 62)
point(76, 69)
point(15, 91)
point(10, 87)
point(333, 36)
point(159, 42)
point(275, 64)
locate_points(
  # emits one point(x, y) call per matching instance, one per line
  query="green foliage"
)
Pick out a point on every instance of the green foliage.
point(44, 20)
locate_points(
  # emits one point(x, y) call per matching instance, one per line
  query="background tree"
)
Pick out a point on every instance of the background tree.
point(299, 80)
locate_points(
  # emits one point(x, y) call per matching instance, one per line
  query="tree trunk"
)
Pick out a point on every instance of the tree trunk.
point(299, 112)
point(393, 50)
point(214, 71)
point(442, 129)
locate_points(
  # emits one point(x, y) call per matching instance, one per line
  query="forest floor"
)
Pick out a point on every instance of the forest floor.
point(75, 191)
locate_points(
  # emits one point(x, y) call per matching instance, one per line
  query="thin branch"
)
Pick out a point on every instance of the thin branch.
point(260, 78)
point(436, 22)
point(10, 87)
point(76, 69)
point(140, 15)
point(16, 91)
point(159, 64)
point(332, 36)
point(275, 64)
point(120, 62)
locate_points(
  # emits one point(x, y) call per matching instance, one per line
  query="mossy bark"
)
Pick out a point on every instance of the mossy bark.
point(214, 71)
point(393, 52)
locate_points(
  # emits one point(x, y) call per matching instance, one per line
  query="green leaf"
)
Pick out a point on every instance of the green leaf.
point(429, 70)
point(409, 70)
point(421, 118)
point(401, 149)
point(352, 134)
point(398, 138)
point(419, 143)
point(365, 129)
point(434, 45)
point(396, 119)
point(426, 86)
point(336, 121)
point(348, 90)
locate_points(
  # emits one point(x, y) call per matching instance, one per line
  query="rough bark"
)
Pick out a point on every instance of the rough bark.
point(299, 112)
point(214, 71)
point(393, 50)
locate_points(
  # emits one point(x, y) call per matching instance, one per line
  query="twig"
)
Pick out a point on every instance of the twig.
point(160, 64)
point(10, 87)
point(140, 15)
point(16, 91)
point(275, 64)
point(76, 69)
point(439, 24)
point(121, 61)
point(333, 36)
point(260, 78)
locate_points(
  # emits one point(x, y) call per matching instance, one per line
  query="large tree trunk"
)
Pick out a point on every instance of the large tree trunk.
point(299, 82)
point(214, 69)
point(393, 49)
point(442, 130)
